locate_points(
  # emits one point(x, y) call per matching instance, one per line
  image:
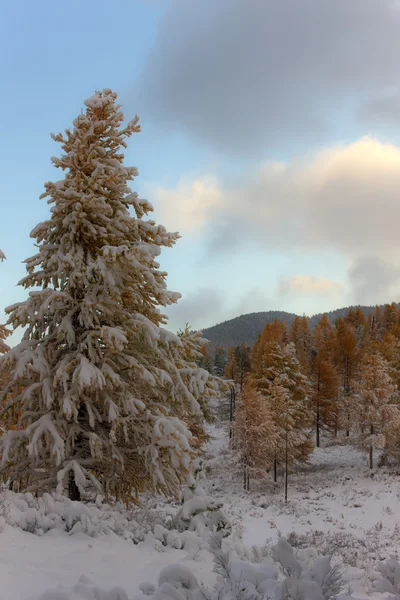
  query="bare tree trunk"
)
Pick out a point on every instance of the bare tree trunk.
point(248, 480)
point(286, 466)
point(318, 415)
point(371, 451)
point(231, 414)
point(275, 470)
point(73, 490)
point(244, 477)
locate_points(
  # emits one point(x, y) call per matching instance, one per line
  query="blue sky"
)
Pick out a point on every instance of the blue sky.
point(269, 140)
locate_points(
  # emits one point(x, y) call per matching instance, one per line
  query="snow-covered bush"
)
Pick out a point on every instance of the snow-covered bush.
point(199, 512)
point(390, 578)
point(199, 516)
point(352, 550)
point(282, 577)
point(40, 515)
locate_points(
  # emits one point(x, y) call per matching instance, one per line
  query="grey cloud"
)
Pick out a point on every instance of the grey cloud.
point(374, 281)
point(244, 75)
point(382, 109)
point(206, 307)
point(201, 308)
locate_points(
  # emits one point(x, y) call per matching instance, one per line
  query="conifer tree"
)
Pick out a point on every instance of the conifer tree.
point(390, 317)
point(242, 353)
point(255, 434)
point(301, 336)
point(206, 389)
point(323, 392)
point(347, 357)
point(373, 392)
point(4, 332)
point(239, 364)
point(281, 369)
point(103, 391)
point(323, 379)
point(204, 359)
point(231, 368)
point(389, 348)
point(272, 332)
point(220, 361)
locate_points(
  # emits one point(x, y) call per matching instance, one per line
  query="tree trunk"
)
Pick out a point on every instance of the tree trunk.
point(275, 470)
point(317, 441)
point(248, 480)
point(230, 414)
point(244, 477)
point(371, 451)
point(73, 490)
point(286, 467)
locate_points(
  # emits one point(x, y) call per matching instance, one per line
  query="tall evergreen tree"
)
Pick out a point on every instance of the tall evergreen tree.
point(102, 388)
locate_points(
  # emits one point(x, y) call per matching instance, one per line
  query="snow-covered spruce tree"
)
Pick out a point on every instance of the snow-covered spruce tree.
point(103, 391)
point(373, 393)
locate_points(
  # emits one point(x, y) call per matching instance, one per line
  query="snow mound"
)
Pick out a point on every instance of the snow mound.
point(283, 578)
point(84, 590)
point(52, 511)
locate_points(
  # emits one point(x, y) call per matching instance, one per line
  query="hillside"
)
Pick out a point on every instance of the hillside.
point(245, 329)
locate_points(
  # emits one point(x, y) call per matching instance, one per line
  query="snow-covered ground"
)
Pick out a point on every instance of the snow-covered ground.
point(335, 501)
point(335, 505)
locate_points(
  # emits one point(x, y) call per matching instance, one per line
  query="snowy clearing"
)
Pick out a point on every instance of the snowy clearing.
point(335, 505)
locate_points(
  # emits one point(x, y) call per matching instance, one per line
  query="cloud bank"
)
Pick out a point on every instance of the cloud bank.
point(343, 200)
point(244, 76)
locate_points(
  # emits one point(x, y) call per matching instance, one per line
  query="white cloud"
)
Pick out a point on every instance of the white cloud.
point(343, 200)
point(308, 285)
point(187, 207)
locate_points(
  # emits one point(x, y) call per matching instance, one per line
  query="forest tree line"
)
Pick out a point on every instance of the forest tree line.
point(298, 384)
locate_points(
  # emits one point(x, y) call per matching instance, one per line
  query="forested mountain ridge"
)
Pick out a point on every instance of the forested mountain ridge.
point(245, 329)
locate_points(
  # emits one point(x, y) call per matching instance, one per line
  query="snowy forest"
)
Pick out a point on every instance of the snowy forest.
point(129, 451)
